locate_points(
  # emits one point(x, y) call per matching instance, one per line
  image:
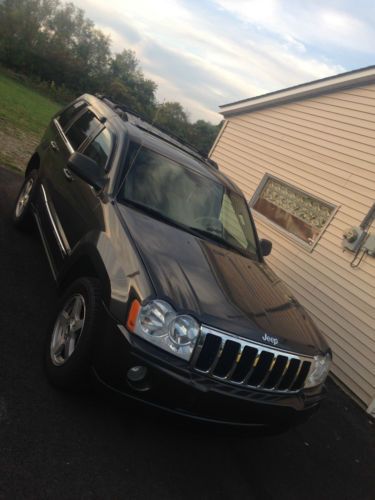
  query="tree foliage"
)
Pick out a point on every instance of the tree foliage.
point(172, 117)
point(56, 43)
point(128, 84)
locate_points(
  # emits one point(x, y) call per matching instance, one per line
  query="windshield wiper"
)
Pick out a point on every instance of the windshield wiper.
point(152, 212)
point(218, 239)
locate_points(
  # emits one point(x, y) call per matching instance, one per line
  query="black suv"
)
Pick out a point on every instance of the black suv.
point(165, 295)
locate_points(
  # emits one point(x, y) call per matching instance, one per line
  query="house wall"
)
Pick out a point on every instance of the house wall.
point(324, 145)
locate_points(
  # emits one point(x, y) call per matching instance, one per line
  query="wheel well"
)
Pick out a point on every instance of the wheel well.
point(33, 164)
point(81, 268)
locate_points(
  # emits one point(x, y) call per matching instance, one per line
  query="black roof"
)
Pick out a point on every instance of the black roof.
point(141, 122)
point(161, 141)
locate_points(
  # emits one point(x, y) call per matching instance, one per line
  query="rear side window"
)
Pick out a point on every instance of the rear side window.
point(100, 148)
point(67, 115)
point(82, 128)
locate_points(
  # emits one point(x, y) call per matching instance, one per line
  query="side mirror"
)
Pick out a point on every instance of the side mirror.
point(88, 170)
point(266, 247)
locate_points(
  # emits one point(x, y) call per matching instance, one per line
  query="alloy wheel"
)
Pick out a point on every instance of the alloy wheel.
point(67, 330)
point(24, 197)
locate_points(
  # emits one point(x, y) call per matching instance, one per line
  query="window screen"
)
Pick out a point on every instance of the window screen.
point(82, 128)
point(67, 115)
point(99, 148)
point(300, 214)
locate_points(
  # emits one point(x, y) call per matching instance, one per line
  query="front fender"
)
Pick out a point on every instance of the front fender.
point(115, 261)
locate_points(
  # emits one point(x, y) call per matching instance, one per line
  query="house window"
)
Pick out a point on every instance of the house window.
point(300, 214)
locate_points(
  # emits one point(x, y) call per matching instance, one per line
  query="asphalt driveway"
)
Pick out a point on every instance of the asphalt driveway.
point(55, 445)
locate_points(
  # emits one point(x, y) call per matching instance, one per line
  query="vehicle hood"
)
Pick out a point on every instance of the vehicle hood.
point(221, 287)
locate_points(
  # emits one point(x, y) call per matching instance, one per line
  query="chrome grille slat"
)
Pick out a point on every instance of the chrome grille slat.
point(266, 364)
point(235, 364)
point(218, 356)
point(295, 376)
point(269, 371)
point(254, 365)
point(276, 386)
point(302, 375)
point(198, 349)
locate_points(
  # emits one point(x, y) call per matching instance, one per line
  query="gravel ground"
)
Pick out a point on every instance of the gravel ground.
point(55, 445)
point(16, 146)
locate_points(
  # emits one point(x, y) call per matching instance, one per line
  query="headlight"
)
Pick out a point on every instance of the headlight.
point(319, 370)
point(154, 318)
point(158, 323)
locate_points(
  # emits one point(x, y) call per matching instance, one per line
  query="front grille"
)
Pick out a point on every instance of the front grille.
point(238, 361)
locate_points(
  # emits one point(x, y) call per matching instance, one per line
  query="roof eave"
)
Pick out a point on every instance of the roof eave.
point(326, 85)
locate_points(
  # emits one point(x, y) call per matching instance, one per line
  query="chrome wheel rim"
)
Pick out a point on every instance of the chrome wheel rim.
point(24, 197)
point(67, 330)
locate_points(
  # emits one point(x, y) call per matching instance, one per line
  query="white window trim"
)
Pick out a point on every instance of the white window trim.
point(280, 229)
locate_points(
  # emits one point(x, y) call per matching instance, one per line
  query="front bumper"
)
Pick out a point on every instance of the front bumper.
point(170, 384)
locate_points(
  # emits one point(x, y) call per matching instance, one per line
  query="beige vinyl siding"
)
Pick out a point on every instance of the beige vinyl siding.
point(324, 145)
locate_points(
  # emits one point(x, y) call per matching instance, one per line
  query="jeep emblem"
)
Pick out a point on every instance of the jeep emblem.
point(271, 340)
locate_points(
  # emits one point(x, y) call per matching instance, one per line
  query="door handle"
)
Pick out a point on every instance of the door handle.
point(68, 174)
point(54, 146)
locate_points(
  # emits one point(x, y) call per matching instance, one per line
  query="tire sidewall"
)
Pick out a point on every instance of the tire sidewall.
point(74, 373)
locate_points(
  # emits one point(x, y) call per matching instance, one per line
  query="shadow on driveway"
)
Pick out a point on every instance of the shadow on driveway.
point(56, 445)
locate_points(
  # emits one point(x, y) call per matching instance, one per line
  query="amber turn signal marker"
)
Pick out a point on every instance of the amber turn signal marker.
point(133, 315)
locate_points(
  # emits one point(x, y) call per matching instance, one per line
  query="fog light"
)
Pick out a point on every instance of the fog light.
point(137, 373)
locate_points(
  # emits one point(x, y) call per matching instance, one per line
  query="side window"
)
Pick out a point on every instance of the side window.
point(100, 148)
point(67, 115)
point(82, 128)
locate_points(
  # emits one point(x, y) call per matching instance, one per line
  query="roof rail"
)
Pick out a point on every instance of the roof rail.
point(124, 111)
point(120, 109)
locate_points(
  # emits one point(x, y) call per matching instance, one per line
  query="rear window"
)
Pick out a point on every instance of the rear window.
point(67, 115)
point(82, 128)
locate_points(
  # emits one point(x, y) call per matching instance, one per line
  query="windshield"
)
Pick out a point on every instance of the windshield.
point(188, 199)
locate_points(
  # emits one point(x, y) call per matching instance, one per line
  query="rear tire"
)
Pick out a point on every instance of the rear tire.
point(22, 213)
point(71, 335)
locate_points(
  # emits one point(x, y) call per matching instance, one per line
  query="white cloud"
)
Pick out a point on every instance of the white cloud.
point(308, 22)
point(224, 50)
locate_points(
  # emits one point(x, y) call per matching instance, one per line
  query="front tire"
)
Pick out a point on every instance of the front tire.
point(71, 335)
point(22, 213)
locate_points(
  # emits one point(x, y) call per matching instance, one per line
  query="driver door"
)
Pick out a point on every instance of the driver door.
point(63, 190)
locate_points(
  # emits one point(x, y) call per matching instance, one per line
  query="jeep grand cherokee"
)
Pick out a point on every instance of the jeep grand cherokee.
point(165, 294)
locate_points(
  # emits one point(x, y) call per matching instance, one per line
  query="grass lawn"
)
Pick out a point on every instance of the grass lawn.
point(24, 115)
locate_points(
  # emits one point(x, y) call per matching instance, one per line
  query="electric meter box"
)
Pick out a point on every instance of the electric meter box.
point(353, 238)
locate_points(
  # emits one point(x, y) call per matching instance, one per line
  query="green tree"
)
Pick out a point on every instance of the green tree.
point(172, 117)
point(202, 134)
point(129, 84)
point(22, 24)
point(54, 42)
point(78, 54)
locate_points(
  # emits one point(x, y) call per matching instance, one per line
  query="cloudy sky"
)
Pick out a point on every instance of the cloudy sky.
point(204, 53)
